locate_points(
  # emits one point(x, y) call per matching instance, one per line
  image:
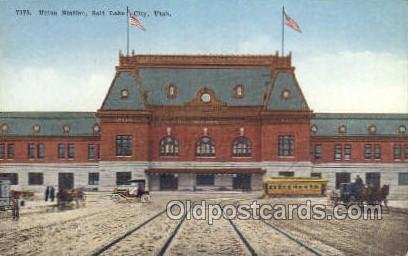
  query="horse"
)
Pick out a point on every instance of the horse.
point(373, 195)
point(65, 196)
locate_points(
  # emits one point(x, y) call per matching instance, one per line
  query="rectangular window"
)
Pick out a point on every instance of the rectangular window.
point(12, 177)
point(373, 179)
point(377, 151)
point(31, 151)
point(122, 178)
point(61, 151)
point(35, 178)
point(98, 151)
point(403, 178)
point(406, 152)
point(317, 151)
point(71, 151)
point(337, 152)
point(10, 151)
point(367, 151)
point(286, 174)
point(91, 151)
point(40, 151)
point(316, 175)
point(205, 180)
point(347, 152)
point(397, 151)
point(342, 177)
point(286, 145)
point(1, 151)
point(123, 145)
point(93, 178)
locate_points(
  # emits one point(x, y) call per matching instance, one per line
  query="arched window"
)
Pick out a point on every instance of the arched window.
point(169, 146)
point(205, 147)
point(241, 147)
point(171, 91)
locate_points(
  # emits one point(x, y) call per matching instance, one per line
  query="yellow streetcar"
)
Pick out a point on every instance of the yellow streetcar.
point(293, 186)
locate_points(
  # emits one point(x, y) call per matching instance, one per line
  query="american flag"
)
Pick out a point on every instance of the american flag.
point(292, 23)
point(135, 22)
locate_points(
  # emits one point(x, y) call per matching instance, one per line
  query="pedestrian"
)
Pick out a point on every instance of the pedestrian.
point(15, 208)
point(47, 193)
point(52, 194)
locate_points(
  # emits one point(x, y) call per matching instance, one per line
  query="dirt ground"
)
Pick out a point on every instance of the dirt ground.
point(44, 230)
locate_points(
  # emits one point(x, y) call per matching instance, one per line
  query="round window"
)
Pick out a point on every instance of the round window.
point(285, 94)
point(124, 93)
point(36, 128)
point(205, 97)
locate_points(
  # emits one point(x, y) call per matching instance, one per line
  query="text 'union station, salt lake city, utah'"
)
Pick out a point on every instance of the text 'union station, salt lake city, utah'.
point(202, 122)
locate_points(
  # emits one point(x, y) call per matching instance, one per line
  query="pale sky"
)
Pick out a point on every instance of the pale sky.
point(352, 56)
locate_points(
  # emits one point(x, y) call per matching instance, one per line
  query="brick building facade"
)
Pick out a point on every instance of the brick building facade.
point(198, 123)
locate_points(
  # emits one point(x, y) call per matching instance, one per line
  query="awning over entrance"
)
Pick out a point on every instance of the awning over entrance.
point(208, 171)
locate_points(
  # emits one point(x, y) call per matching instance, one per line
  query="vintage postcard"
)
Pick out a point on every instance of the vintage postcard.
point(263, 127)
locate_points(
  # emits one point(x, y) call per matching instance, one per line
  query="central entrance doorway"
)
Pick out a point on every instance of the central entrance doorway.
point(241, 181)
point(168, 182)
point(65, 180)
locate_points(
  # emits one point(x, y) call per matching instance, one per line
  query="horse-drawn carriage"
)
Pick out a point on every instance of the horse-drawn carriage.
point(67, 196)
point(135, 193)
point(358, 193)
point(8, 199)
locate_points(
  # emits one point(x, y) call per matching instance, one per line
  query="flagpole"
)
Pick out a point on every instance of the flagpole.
point(127, 34)
point(283, 31)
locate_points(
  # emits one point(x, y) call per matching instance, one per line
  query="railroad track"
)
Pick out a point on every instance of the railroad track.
point(168, 241)
point(286, 234)
point(106, 247)
point(42, 227)
point(310, 249)
point(243, 239)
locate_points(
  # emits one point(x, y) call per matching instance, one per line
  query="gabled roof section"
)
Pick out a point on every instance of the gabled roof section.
point(124, 80)
point(284, 83)
point(357, 124)
point(220, 80)
point(49, 123)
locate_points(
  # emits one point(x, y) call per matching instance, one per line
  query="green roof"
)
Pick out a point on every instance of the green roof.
point(115, 101)
point(50, 123)
point(285, 81)
point(220, 80)
point(357, 124)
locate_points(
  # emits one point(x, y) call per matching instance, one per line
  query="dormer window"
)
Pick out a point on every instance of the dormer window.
point(124, 94)
point(313, 129)
point(66, 129)
point(342, 129)
point(372, 129)
point(285, 94)
point(171, 91)
point(4, 128)
point(36, 128)
point(239, 91)
point(402, 129)
point(96, 128)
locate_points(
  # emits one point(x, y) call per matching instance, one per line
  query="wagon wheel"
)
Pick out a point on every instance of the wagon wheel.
point(145, 198)
point(115, 198)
